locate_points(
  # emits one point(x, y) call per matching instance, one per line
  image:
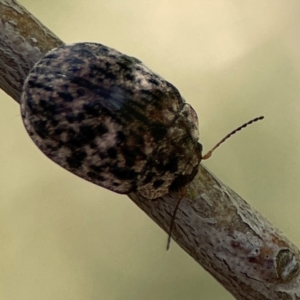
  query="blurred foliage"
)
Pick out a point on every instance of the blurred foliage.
point(63, 238)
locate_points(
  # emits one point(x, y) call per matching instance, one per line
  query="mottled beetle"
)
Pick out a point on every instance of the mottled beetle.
point(109, 119)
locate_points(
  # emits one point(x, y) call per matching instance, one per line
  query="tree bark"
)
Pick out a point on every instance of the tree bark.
point(233, 242)
point(23, 41)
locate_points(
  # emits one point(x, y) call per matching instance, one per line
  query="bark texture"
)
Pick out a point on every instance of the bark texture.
point(233, 242)
point(23, 41)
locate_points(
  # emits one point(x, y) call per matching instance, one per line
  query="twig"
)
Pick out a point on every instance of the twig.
point(232, 241)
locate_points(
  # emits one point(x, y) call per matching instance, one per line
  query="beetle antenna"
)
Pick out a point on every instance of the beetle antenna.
point(209, 153)
point(173, 218)
point(206, 156)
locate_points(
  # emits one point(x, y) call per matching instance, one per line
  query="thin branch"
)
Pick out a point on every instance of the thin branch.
point(232, 241)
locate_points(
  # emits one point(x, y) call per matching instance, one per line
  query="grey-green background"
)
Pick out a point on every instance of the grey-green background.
point(65, 239)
